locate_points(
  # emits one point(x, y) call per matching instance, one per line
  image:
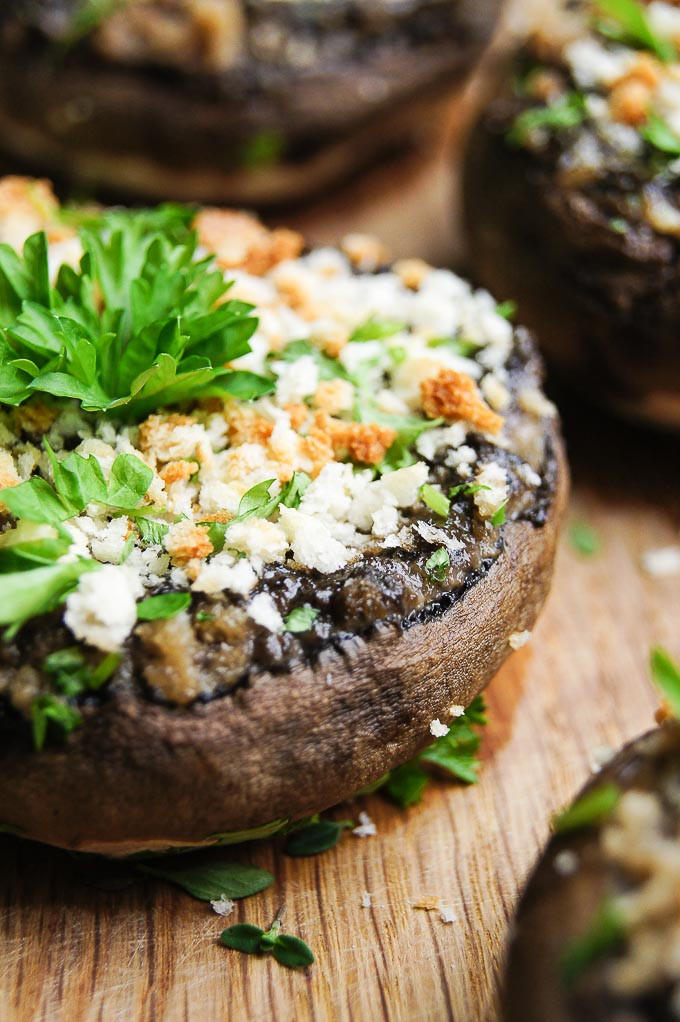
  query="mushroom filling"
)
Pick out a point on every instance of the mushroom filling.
point(224, 453)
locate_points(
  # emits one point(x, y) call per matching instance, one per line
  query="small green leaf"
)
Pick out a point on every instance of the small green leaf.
point(48, 709)
point(301, 619)
point(376, 330)
point(292, 952)
point(466, 489)
point(591, 808)
point(129, 481)
point(567, 111)
point(435, 500)
point(628, 22)
point(498, 517)
point(605, 934)
point(658, 133)
point(508, 310)
point(204, 616)
point(666, 677)
point(316, 837)
point(438, 564)
point(208, 881)
point(26, 594)
point(154, 608)
point(151, 531)
point(406, 784)
point(584, 539)
point(243, 937)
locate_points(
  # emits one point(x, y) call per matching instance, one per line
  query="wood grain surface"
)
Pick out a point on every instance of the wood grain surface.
point(71, 951)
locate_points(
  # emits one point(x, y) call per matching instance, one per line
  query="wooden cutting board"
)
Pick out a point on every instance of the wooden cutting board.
point(72, 952)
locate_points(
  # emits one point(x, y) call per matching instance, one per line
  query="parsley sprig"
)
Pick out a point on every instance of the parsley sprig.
point(143, 322)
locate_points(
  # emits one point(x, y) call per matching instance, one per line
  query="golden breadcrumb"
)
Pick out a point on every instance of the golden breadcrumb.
point(453, 396)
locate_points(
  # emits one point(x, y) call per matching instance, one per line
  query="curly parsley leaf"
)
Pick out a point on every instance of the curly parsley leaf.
point(78, 481)
point(143, 322)
point(658, 134)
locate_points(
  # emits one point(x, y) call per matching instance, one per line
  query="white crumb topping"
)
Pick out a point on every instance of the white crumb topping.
point(493, 480)
point(518, 639)
point(223, 905)
point(431, 534)
point(366, 899)
point(263, 611)
point(536, 403)
point(259, 539)
point(366, 828)
point(437, 729)
point(447, 914)
point(312, 543)
point(662, 562)
point(102, 611)
point(224, 573)
point(456, 710)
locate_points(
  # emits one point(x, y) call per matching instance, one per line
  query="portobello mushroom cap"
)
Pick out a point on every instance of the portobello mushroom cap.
point(566, 963)
point(257, 102)
point(225, 717)
point(584, 236)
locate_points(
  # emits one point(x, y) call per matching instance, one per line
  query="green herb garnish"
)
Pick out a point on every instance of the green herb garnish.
point(154, 608)
point(46, 710)
point(435, 500)
point(26, 594)
point(152, 532)
point(438, 564)
point(455, 753)
point(604, 936)
point(666, 677)
point(142, 323)
point(590, 809)
point(466, 489)
point(584, 539)
point(567, 111)
point(257, 502)
point(627, 22)
point(376, 330)
point(316, 837)
point(209, 881)
point(498, 517)
point(506, 309)
point(289, 951)
point(301, 619)
point(657, 132)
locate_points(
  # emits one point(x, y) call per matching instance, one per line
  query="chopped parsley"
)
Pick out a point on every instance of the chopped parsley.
point(154, 608)
point(604, 935)
point(626, 21)
point(438, 564)
point(435, 500)
point(584, 539)
point(666, 677)
point(498, 517)
point(590, 809)
point(376, 330)
point(257, 502)
point(567, 111)
point(657, 133)
point(301, 619)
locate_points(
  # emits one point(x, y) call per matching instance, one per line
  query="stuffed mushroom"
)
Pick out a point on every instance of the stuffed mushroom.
point(267, 513)
point(573, 200)
point(597, 933)
point(211, 100)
